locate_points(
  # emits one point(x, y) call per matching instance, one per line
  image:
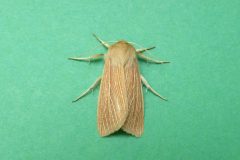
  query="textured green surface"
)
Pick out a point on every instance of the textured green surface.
point(37, 82)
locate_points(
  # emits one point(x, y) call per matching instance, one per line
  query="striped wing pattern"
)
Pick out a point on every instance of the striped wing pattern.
point(120, 104)
point(113, 101)
point(135, 121)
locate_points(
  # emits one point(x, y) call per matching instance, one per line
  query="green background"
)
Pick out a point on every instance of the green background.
point(37, 82)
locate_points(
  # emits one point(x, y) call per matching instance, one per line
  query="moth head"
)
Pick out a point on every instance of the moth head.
point(123, 45)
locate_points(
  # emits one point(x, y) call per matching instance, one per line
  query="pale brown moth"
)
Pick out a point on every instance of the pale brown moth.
point(120, 102)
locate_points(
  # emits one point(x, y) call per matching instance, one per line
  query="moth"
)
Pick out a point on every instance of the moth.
point(120, 102)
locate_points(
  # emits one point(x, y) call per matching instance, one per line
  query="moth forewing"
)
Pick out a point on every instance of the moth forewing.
point(120, 85)
point(135, 120)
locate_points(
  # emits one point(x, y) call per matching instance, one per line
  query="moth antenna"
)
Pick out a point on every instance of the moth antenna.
point(105, 44)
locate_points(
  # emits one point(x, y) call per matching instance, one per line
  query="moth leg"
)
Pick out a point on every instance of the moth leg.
point(144, 81)
point(94, 85)
point(95, 57)
point(144, 49)
point(148, 59)
point(105, 44)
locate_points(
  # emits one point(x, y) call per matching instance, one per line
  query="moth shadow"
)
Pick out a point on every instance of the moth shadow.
point(119, 133)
